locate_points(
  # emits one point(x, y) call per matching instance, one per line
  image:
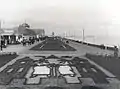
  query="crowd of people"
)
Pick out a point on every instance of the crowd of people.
point(3, 44)
point(24, 41)
point(29, 41)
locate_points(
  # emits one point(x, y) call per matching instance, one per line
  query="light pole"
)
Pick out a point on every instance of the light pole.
point(74, 35)
point(0, 35)
point(1, 38)
point(83, 34)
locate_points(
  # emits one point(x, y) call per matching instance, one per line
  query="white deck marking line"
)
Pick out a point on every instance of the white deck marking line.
point(63, 46)
point(94, 70)
point(20, 70)
point(11, 62)
point(71, 79)
point(76, 71)
point(22, 62)
point(54, 71)
point(87, 81)
point(42, 46)
point(113, 80)
point(84, 70)
point(81, 62)
point(10, 70)
point(34, 80)
point(29, 73)
point(101, 68)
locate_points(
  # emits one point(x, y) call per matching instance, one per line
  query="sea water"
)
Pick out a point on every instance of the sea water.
point(106, 40)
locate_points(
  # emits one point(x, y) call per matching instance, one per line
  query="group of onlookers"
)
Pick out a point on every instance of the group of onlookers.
point(29, 41)
point(24, 41)
point(3, 44)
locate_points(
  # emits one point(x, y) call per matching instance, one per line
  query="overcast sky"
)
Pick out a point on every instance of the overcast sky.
point(97, 17)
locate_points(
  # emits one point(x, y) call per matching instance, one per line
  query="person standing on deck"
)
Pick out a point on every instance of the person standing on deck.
point(2, 44)
point(116, 51)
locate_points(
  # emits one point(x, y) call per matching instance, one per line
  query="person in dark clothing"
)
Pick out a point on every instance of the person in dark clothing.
point(29, 41)
point(116, 51)
point(67, 42)
point(24, 42)
point(33, 40)
point(2, 44)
